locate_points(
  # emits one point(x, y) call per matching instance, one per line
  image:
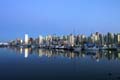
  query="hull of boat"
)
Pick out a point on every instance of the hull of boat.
point(77, 49)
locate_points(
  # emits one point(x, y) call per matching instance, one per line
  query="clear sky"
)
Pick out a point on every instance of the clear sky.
point(35, 17)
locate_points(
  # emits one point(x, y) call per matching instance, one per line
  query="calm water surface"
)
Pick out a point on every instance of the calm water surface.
point(41, 64)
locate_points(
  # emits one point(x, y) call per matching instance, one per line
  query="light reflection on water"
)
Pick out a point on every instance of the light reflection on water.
point(97, 55)
point(26, 52)
point(27, 63)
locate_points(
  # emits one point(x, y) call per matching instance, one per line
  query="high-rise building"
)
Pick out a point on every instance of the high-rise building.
point(40, 39)
point(31, 40)
point(118, 38)
point(48, 40)
point(78, 40)
point(21, 41)
point(102, 39)
point(110, 38)
point(71, 40)
point(26, 39)
point(95, 38)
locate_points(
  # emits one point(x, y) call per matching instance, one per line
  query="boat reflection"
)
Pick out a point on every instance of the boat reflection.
point(96, 55)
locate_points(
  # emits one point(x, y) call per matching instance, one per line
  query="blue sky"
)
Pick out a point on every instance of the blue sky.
point(35, 17)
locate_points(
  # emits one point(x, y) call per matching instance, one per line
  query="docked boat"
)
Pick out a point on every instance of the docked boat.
point(56, 47)
point(92, 48)
point(61, 47)
point(77, 48)
point(104, 47)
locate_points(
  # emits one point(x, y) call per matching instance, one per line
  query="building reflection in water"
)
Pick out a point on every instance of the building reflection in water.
point(40, 53)
point(119, 55)
point(69, 54)
point(26, 52)
point(21, 50)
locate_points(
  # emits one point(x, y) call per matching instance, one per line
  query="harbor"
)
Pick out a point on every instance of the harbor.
point(94, 42)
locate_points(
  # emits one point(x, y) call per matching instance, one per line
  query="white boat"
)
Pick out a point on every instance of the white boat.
point(103, 48)
point(61, 47)
point(92, 49)
point(77, 48)
point(56, 47)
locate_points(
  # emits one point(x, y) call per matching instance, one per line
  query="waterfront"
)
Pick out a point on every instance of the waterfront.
point(27, 63)
point(96, 41)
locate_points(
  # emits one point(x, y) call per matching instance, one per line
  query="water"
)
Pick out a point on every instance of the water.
point(41, 64)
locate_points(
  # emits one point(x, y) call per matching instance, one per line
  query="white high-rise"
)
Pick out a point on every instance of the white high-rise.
point(118, 37)
point(71, 40)
point(40, 39)
point(94, 37)
point(26, 38)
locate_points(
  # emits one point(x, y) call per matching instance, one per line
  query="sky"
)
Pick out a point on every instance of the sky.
point(43, 17)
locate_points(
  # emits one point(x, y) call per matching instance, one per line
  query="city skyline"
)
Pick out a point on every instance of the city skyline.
point(27, 36)
point(57, 17)
point(59, 39)
point(71, 39)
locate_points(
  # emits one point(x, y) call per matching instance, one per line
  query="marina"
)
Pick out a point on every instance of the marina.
point(59, 39)
point(94, 42)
